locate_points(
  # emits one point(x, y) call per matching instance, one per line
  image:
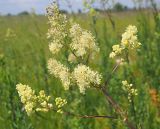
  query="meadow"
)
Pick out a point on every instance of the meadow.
point(24, 54)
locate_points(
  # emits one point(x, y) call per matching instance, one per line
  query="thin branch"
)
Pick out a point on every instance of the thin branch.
point(115, 105)
point(114, 69)
point(118, 109)
point(108, 12)
point(87, 116)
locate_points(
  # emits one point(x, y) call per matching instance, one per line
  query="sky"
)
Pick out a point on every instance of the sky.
point(16, 6)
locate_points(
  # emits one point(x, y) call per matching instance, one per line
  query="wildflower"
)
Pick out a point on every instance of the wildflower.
point(32, 102)
point(129, 38)
point(57, 31)
point(60, 103)
point(129, 41)
point(59, 71)
point(28, 97)
point(43, 102)
point(55, 47)
point(129, 88)
point(132, 29)
point(76, 31)
point(112, 54)
point(116, 50)
point(125, 83)
point(84, 77)
point(82, 41)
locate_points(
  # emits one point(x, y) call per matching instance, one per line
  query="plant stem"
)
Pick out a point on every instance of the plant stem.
point(114, 69)
point(118, 109)
point(86, 116)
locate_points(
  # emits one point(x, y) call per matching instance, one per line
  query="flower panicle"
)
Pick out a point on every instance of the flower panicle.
point(81, 45)
point(57, 32)
point(129, 41)
point(84, 77)
point(60, 103)
point(129, 89)
point(60, 71)
point(31, 101)
point(83, 42)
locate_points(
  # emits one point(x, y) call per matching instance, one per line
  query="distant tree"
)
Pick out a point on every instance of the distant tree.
point(119, 7)
point(63, 11)
point(9, 14)
point(98, 10)
point(126, 8)
point(23, 13)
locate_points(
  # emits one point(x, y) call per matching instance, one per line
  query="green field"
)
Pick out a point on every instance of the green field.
point(23, 58)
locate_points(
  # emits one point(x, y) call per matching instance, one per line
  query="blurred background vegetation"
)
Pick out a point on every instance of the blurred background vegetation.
point(23, 58)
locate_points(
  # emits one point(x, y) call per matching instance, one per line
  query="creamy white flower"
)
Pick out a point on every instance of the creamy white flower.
point(129, 41)
point(85, 77)
point(129, 89)
point(60, 103)
point(28, 97)
point(59, 71)
point(82, 41)
point(117, 49)
point(57, 31)
point(129, 38)
point(55, 47)
point(112, 54)
point(32, 102)
point(132, 29)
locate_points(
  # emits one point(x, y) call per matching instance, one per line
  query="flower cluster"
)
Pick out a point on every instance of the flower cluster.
point(32, 102)
point(129, 88)
point(59, 71)
point(116, 50)
point(57, 31)
point(84, 77)
point(82, 41)
point(129, 38)
point(129, 41)
point(82, 45)
point(43, 100)
point(60, 103)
